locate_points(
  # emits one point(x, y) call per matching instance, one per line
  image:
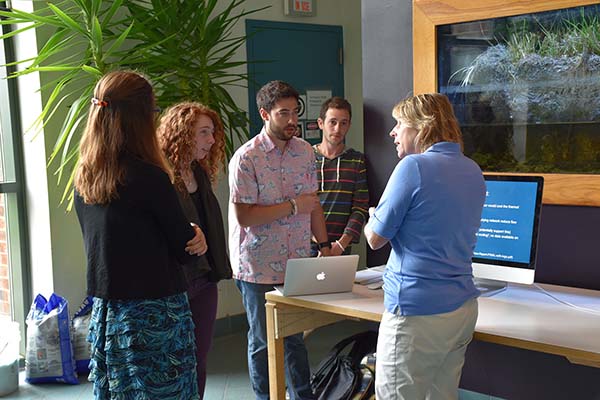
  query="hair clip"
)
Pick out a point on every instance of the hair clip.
point(99, 103)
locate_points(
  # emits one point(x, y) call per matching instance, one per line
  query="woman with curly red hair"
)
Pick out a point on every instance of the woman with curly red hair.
point(192, 137)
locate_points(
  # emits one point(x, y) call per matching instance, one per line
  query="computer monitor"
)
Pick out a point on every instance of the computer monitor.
point(507, 238)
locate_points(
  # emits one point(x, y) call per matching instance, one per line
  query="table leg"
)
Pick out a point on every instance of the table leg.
point(276, 357)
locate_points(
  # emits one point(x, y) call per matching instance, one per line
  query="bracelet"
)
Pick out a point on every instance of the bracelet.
point(339, 244)
point(322, 245)
point(294, 207)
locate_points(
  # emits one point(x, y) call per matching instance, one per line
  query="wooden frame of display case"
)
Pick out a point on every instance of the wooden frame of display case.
point(563, 189)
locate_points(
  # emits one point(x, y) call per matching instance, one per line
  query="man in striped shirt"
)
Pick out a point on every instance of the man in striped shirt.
point(342, 178)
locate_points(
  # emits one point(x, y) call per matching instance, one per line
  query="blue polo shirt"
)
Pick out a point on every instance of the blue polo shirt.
point(430, 212)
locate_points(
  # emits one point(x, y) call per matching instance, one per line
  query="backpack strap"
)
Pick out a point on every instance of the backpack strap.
point(365, 343)
point(361, 343)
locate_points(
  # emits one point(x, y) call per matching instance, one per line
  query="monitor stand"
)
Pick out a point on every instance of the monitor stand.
point(489, 287)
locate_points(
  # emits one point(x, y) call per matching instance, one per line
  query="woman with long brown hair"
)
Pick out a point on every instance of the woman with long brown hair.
point(133, 226)
point(191, 136)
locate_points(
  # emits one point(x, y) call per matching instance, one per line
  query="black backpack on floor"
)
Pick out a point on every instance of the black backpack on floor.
point(339, 375)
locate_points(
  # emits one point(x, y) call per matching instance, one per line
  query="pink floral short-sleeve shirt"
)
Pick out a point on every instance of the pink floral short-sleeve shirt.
point(260, 174)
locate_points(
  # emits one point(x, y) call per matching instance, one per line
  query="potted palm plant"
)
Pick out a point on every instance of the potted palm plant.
point(191, 56)
point(185, 47)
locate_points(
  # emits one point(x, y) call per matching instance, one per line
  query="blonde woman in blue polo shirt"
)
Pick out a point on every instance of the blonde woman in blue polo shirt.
point(429, 212)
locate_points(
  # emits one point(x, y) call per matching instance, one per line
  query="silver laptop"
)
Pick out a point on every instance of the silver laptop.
point(319, 275)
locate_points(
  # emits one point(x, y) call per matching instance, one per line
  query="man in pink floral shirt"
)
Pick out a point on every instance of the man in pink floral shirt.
point(274, 209)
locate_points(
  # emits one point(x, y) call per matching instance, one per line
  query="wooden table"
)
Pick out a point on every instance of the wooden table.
point(521, 316)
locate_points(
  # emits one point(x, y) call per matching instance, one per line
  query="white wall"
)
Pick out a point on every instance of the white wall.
point(58, 262)
point(35, 172)
point(346, 13)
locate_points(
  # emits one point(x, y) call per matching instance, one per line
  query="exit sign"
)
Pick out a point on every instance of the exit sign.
point(299, 8)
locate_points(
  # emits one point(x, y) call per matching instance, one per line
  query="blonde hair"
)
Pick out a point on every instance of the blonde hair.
point(120, 122)
point(432, 116)
point(176, 138)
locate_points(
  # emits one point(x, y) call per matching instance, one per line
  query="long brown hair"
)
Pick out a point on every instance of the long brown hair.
point(176, 138)
point(432, 116)
point(120, 121)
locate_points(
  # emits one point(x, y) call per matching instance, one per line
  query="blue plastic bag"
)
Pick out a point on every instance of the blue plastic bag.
point(81, 347)
point(49, 354)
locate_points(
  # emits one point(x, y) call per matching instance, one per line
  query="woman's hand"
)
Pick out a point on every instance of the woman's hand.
point(197, 245)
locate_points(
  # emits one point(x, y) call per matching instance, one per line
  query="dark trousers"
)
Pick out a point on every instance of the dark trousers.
point(203, 298)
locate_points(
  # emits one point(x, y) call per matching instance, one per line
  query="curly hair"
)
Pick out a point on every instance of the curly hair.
point(176, 138)
point(272, 92)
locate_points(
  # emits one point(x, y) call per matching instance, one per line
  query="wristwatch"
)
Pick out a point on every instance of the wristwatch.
point(324, 244)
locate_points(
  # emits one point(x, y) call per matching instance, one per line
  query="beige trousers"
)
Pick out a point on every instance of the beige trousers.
point(421, 357)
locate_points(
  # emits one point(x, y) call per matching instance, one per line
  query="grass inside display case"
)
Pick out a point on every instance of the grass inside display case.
point(524, 79)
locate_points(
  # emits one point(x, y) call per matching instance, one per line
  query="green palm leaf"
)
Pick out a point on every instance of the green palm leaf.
point(20, 17)
point(203, 71)
point(68, 21)
point(18, 31)
point(116, 45)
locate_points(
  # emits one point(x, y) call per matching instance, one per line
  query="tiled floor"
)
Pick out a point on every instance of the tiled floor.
point(228, 371)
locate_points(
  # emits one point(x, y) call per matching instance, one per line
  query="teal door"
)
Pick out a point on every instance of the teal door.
point(307, 56)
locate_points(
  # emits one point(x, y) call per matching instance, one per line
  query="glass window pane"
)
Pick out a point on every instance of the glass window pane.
point(7, 166)
point(2, 135)
point(5, 282)
point(14, 273)
point(526, 89)
point(12, 280)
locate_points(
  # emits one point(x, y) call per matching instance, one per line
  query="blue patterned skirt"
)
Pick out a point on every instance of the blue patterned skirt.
point(143, 349)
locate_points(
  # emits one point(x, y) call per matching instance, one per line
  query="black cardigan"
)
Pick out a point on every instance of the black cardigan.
point(203, 208)
point(130, 240)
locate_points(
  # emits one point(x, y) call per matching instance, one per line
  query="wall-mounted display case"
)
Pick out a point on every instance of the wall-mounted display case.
point(524, 79)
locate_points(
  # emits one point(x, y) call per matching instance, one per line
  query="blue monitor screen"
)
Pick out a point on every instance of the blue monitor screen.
point(509, 221)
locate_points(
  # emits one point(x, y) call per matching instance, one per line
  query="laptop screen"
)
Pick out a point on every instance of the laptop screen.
point(320, 275)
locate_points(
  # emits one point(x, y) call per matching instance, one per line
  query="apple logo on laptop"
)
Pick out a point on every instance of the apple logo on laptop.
point(321, 276)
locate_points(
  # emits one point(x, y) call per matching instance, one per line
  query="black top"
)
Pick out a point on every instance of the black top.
point(130, 240)
point(203, 208)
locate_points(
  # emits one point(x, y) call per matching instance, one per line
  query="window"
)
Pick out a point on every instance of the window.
point(15, 290)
